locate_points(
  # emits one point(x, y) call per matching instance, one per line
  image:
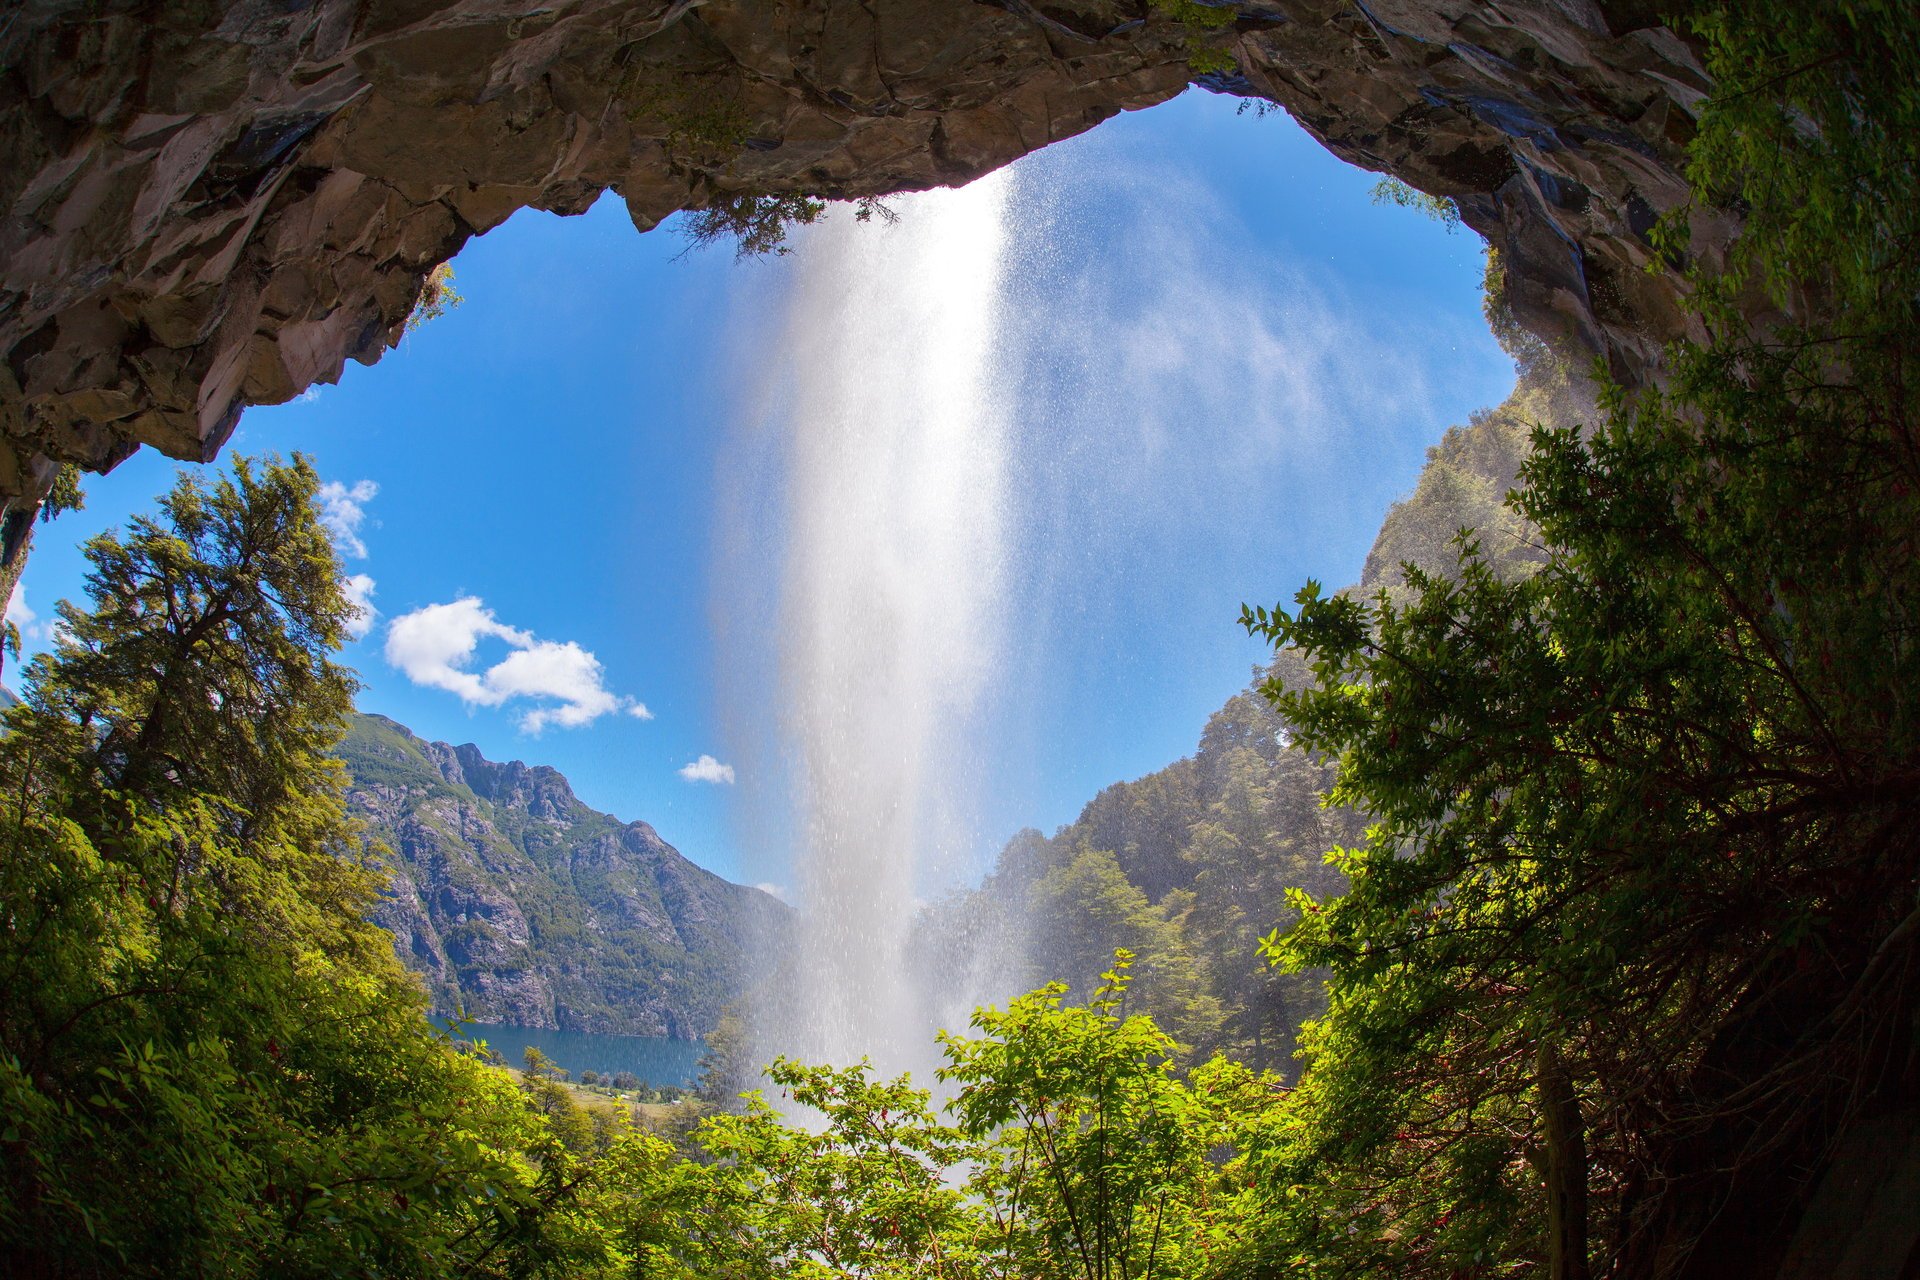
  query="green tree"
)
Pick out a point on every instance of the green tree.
point(1098, 1160)
point(437, 297)
point(210, 1062)
point(1395, 192)
point(726, 1069)
point(1075, 1149)
point(1085, 908)
point(1645, 829)
point(757, 225)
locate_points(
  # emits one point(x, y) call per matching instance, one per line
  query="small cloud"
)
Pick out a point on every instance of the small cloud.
point(773, 890)
point(35, 633)
point(433, 646)
point(308, 396)
point(358, 589)
point(17, 611)
point(343, 509)
point(707, 769)
point(638, 710)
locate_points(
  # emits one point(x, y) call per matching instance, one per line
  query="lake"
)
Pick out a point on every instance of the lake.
point(657, 1060)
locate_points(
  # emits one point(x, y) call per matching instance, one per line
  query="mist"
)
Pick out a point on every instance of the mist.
point(1000, 456)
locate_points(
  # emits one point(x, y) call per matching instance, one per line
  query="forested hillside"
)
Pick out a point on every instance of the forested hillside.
point(1189, 867)
point(518, 903)
point(1620, 977)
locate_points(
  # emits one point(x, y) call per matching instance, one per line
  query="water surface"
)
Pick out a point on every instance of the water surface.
point(657, 1060)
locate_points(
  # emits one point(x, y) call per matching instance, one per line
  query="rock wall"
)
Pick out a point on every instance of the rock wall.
point(517, 903)
point(215, 204)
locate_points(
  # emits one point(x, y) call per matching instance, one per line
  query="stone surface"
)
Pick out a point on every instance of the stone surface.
point(215, 204)
point(1864, 1221)
point(517, 903)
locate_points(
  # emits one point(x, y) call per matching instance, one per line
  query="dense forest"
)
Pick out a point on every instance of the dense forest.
point(1622, 962)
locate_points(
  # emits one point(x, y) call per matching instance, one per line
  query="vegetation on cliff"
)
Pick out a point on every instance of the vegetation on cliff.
point(1626, 950)
point(1621, 955)
point(1189, 867)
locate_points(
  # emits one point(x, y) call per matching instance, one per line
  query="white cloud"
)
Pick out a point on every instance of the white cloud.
point(549, 669)
point(433, 646)
point(776, 890)
point(359, 592)
point(707, 769)
point(17, 611)
point(35, 632)
point(343, 509)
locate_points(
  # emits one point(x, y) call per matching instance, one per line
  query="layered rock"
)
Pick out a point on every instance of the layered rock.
point(517, 903)
point(215, 205)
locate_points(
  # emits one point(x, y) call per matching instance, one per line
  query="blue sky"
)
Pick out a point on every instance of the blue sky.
point(1229, 361)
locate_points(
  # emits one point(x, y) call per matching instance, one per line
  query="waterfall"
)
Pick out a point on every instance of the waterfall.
point(886, 430)
point(1081, 393)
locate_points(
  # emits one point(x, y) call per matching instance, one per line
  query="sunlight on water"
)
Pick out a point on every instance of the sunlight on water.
point(890, 431)
point(1079, 394)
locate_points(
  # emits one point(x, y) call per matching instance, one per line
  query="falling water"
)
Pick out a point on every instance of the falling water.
point(1036, 397)
point(892, 434)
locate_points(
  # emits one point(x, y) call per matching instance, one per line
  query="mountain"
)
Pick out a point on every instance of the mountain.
point(1465, 481)
point(1189, 866)
point(517, 903)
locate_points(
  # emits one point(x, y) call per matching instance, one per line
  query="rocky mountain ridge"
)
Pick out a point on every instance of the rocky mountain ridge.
point(518, 903)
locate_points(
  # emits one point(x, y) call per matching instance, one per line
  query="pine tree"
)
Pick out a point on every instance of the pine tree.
point(209, 1060)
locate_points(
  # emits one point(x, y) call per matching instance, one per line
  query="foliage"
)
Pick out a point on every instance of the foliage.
point(1634, 914)
point(1645, 842)
point(1189, 867)
point(1810, 136)
point(1072, 1150)
point(1201, 22)
point(1090, 909)
point(1465, 482)
point(1393, 191)
point(758, 224)
point(727, 1068)
point(210, 1063)
point(700, 118)
point(65, 495)
point(1096, 1160)
point(1531, 356)
point(864, 1195)
point(437, 297)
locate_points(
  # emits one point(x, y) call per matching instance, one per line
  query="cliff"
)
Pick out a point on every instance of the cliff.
point(518, 903)
point(216, 205)
point(1188, 867)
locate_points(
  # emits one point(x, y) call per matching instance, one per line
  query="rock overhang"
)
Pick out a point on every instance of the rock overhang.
point(218, 206)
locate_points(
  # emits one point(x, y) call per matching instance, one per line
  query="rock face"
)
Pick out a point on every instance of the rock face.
point(215, 204)
point(518, 903)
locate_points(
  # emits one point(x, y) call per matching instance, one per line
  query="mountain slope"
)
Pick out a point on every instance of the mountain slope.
point(1465, 482)
point(518, 903)
point(1188, 867)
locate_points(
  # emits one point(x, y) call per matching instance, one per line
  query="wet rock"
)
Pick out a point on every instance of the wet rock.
point(219, 207)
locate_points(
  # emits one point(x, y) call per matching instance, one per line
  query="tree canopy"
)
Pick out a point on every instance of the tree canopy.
point(1621, 950)
point(1617, 961)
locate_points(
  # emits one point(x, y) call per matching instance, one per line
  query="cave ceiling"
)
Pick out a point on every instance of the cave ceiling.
point(213, 205)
